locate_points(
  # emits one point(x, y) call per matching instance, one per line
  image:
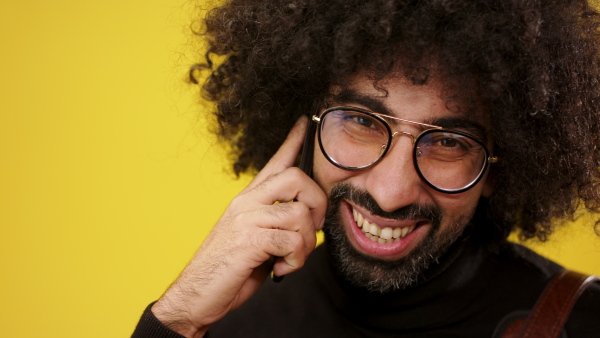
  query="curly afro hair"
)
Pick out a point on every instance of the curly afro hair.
point(533, 64)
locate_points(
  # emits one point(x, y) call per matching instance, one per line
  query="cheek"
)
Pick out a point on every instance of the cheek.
point(326, 174)
point(459, 205)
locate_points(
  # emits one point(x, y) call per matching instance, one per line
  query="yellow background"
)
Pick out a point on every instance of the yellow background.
point(109, 181)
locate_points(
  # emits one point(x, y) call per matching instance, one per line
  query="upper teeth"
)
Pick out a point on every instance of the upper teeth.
point(376, 234)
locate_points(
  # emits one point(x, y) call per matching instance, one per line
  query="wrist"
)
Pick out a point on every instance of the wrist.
point(178, 320)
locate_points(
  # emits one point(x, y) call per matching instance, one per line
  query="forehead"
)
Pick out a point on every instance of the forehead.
point(398, 96)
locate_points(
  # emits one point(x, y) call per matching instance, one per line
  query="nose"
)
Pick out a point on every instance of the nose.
point(394, 182)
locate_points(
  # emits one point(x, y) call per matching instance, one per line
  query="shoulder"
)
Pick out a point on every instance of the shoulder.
point(522, 258)
point(584, 319)
point(520, 273)
point(527, 275)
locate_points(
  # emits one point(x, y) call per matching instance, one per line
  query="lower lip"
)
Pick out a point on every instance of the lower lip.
point(393, 250)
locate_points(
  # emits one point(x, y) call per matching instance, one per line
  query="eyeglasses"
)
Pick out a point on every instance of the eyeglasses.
point(449, 161)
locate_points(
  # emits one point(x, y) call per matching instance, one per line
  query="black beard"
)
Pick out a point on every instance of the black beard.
point(380, 275)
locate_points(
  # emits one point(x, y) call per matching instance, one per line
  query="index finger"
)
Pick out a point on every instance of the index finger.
point(286, 154)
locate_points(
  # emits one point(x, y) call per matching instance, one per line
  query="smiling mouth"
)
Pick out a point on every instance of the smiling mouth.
point(377, 234)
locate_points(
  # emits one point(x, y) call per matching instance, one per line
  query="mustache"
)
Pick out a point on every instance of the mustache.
point(366, 200)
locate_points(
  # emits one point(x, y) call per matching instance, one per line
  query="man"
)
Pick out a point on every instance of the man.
point(441, 126)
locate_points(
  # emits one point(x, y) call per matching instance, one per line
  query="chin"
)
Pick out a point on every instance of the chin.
point(386, 267)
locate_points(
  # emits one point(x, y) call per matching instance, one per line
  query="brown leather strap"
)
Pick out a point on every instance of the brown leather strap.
point(553, 307)
point(514, 330)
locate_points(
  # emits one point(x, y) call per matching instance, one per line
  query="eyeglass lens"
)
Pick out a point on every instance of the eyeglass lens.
point(447, 160)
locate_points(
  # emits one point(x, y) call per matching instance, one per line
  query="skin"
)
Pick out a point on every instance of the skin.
point(420, 103)
point(236, 257)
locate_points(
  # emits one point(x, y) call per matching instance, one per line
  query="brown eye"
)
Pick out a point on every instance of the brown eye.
point(362, 120)
point(448, 142)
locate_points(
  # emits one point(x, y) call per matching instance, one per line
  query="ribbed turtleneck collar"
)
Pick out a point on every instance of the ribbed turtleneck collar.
point(447, 290)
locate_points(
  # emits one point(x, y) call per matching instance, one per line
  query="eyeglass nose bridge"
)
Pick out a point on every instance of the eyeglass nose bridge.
point(412, 137)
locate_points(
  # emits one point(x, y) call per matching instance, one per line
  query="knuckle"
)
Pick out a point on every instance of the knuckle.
point(292, 209)
point(295, 173)
point(295, 214)
point(237, 202)
point(296, 242)
point(302, 214)
point(303, 210)
point(279, 211)
point(256, 242)
point(239, 218)
point(279, 240)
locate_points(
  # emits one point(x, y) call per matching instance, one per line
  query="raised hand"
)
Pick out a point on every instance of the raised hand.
point(262, 229)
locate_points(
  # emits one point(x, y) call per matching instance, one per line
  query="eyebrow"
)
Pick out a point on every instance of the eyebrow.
point(349, 96)
point(463, 124)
